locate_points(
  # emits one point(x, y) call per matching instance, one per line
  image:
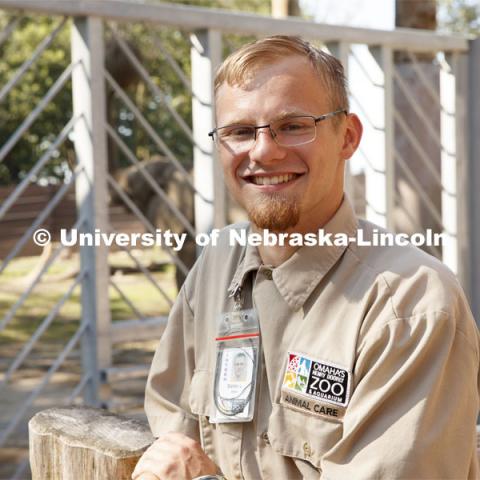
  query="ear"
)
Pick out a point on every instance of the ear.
point(353, 130)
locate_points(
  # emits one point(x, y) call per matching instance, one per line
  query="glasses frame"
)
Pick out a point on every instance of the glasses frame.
point(320, 118)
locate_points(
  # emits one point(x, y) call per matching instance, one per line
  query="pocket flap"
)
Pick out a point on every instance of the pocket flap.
point(297, 434)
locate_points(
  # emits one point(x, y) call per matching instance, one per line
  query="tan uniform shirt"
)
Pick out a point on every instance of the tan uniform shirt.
point(392, 319)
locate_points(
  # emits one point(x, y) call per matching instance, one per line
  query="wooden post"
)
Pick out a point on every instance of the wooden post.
point(81, 443)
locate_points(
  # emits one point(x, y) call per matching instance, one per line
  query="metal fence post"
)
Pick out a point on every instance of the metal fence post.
point(454, 174)
point(341, 50)
point(206, 54)
point(473, 175)
point(371, 88)
point(450, 163)
point(88, 90)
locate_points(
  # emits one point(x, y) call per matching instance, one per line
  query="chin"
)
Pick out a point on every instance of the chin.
point(275, 213)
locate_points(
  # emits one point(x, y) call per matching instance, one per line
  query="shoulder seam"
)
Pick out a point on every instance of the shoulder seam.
point(379, 275)
point(444, 313)
point(379, 328)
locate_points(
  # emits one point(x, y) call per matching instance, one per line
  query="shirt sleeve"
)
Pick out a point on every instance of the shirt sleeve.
point(413, 410)
point(168, 384)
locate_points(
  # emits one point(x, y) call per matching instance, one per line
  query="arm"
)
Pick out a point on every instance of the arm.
point(414, 407)
point(177, 452)
point(168, 384)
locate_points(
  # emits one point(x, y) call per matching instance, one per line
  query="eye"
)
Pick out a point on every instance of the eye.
point(237, 132)
point(293, 126)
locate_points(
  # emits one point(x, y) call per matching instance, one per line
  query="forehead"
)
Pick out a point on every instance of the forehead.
point(290, 85)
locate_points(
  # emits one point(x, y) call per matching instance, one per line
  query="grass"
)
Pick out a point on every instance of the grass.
point(136, 286)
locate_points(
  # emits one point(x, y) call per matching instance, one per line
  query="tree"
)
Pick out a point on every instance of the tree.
point(40, 77)
point(459, 16)
point(28, 92)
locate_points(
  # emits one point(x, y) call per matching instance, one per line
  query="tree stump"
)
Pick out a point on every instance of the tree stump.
point(82, 443)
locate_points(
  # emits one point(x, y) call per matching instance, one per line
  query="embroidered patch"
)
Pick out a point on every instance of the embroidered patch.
point(317, 379)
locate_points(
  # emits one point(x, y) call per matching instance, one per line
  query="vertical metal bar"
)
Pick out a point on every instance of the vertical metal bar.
point(341, 50)
point(389, 108)
point(473, 173)
point(449, 163)
point(372, 89)
point(88, 90)
point(208, 177)
point(460, 65)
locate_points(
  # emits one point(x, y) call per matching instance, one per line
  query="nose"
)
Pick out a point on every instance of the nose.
point(265, 149)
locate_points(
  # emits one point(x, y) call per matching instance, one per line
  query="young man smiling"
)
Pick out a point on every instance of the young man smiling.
point(369, 356)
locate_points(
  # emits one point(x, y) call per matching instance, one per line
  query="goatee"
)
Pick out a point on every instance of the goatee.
point(274, 212)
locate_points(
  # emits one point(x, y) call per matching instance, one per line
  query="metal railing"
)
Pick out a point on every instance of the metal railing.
point(377, 84)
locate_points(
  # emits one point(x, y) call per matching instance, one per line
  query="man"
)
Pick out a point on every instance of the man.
point(369, 356)
point(239, 371)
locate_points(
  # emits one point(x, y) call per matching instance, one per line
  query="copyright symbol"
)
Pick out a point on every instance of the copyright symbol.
point(41, 237)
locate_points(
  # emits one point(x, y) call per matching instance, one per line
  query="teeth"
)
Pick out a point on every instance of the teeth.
point(275, 180)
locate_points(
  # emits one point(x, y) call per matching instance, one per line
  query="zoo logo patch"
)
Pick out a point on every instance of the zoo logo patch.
point(317, 379)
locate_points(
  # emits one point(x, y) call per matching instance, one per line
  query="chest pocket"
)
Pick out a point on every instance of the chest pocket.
point(221, 442)
point(301, 435)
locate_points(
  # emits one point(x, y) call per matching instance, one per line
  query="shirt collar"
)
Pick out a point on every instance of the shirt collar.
point(297, 277)
point(250, 261)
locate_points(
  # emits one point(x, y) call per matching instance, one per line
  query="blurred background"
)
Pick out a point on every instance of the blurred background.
point(103, 121)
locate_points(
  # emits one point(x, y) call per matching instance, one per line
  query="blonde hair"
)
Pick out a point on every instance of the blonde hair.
point(238, 68)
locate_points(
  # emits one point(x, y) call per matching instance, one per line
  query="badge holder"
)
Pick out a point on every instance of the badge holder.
point(237, 356)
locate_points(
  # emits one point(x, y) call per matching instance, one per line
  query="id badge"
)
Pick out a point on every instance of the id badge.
point(236, 368)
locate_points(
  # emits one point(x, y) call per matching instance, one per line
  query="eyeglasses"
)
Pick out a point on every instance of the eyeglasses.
point(286, 132)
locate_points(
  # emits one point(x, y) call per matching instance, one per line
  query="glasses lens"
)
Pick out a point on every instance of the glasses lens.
point(294, 130)
point(236, 137)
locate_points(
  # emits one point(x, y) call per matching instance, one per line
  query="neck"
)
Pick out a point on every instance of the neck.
point(276, 255)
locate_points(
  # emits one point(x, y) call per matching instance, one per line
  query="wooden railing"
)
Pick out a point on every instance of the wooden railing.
point(81, 443)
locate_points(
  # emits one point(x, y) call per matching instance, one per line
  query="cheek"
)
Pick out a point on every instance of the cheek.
point(231, 167)
point(230, 175)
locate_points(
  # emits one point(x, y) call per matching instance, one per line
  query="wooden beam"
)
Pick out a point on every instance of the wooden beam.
point(194, 18)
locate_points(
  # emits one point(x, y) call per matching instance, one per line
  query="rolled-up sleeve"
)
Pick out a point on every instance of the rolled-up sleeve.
point(168, 384)
point(414, 407)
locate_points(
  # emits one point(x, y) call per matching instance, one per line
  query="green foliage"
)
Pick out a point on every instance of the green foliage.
point(145, 40)
point(262, 7)
point(28, 92)
point(459, 16)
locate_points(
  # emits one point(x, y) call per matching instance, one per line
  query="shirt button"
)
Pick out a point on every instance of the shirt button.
point(268, 274)
point(307, 450)
point(265, 438)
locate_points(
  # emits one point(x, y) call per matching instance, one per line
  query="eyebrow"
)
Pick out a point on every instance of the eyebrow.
point(283, 114)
